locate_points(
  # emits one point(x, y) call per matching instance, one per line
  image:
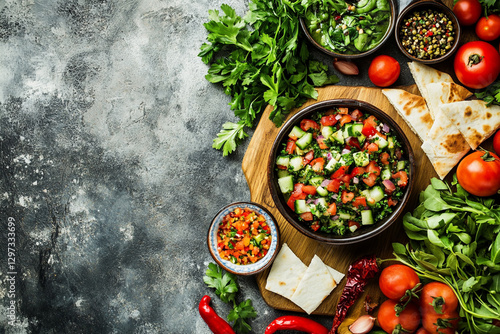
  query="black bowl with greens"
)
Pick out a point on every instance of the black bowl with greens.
point(348, 29)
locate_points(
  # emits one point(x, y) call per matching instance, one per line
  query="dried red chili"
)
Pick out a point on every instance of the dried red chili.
point(216, 324)
point(297, 323)
point(358, 275)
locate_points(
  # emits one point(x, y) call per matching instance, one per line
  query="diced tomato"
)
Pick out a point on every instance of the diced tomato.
point(373, 168)
point(328, 120)
point(370, 180)
point(345, 178)
point(345, 119)
point(310, 190)
point(307, 216)
point(359, 201)
point(308, 157)
point(321, 143)
point(343, 111)
point(391, 202)
point(380, 134)
point(307, 124)
point(372, 147)
point(369, 127)
point(353, 142)
point(315, 226)
point(293, 198)
point(317, 164)
point(332, 209)
point(347, 196)
point(297, 188)
point(290, 146)
point(398, 153)
point(353, 226)
point(356, 114)
point(340, 172)
point(333, 186)
point(281, 167)
point(357, 171)
point(403, 178)
point(384, 158)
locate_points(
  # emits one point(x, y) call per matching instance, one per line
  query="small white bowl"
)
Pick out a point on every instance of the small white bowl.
point(244, 269)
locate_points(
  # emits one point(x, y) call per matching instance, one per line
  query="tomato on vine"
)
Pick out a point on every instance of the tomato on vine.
point(399, 282)
point(479, 173)
point(438, 297)
point(407, 321)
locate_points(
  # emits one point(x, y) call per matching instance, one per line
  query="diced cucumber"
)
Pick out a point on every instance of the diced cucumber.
point(321, 191)
point(305, 140)
point(366, 217)
point(347, 130)
point(353, 227)
point(338, 136)
point(381, 142)
point(385, 174)
point(390, 142)
point(298, 151)
point(361, 159)
point(345, 216)
point(316, 180)
point(282, 173)
point(321, 202)
point(355, 130)
point(319, 207)
point(401, 165)
point(286, 184)
point(361, 139)
point(296, 132)
point(327, 131)
point(282, 160)
point(301, 206)
point(296, 163)
point(376, 193)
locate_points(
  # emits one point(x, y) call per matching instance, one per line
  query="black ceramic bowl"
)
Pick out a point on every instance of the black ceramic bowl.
point(365, 232)
point(421, 5)
point(386, 36)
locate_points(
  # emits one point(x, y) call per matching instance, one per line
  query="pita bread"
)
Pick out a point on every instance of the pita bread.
point(439, 93)
point(286, 273)
point(314, 287)
point(413, 109)
point(424, 75)
point(474, 119)
point(445, 145)
point(337, 275)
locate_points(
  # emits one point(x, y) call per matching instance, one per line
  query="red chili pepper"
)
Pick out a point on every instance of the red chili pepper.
point(216, 324)
point(358, 275)
point(296, 323)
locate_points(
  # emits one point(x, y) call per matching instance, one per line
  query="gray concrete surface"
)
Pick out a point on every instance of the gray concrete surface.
point(107, 170)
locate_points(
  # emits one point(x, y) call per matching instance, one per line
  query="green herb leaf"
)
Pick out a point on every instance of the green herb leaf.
point(228, 138)
point(224, 283)
point(240, 314)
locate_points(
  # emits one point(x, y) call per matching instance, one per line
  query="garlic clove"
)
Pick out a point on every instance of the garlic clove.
point(362, 325)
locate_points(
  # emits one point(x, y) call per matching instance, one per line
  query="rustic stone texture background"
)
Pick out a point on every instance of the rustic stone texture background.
point(106, 127)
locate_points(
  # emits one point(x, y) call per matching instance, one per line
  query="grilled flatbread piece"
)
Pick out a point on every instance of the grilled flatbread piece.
point(413, 109)
point(445, 145)
point(314, 287)
point(424, 75)
point(474, 119)
point(286, 273)
point(439, 93)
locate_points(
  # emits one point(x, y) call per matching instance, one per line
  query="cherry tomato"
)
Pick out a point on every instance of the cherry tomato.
point(496, 142)
point(408, 319)
point(396, 280)
point(477, 64)
point(479, 173)
point(384, 71)
point(488, 28)
point(421, 331)
point(467, 11)
point(438, 297)
point(440, 323)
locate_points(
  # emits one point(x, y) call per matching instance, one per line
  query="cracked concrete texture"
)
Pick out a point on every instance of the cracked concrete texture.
point(107, 168)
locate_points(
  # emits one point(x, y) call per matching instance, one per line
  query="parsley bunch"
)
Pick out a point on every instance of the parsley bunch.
point(226, 287)
point(260, 59)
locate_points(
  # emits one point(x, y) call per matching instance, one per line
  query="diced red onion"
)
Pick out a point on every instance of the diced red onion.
point(325, 182)
point(389, 185)
point(316, 201)
point(335, 217)
point(335, 196)
point(320, 137)
point(385, 128)
point(345, 151)
point(355, 180)
point(329, 156)
point(338, 116)
point(309, 201)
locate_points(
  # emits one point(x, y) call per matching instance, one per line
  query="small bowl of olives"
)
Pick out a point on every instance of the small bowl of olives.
point(427, 31)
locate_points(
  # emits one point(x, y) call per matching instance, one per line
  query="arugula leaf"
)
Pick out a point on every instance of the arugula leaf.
point(240, 314)
point(224, 283)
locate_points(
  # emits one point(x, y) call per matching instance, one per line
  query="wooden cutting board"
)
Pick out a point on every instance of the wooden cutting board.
point(339, 257)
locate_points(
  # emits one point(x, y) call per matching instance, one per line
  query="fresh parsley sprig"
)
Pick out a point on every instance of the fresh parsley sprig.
point(260, 60)
point(226, 287)
point(491, 94)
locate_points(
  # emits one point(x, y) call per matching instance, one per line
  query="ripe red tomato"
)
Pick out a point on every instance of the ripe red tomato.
point(479, 173)
point(477, 64)
point(438, 297)
point(421, 330)
point(488, 28)
point(396, 280)
point(408, 319)
point(384, 71)
point(467, 11)
point(496, 142)
point(440, 323)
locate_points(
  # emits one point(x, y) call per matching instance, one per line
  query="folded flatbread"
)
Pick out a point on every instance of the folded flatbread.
point(425, 75)
point(439, 93)
point(286, 273)
point(445, 145)
point(413, 109)
point(314, 287)
point(474, 119)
